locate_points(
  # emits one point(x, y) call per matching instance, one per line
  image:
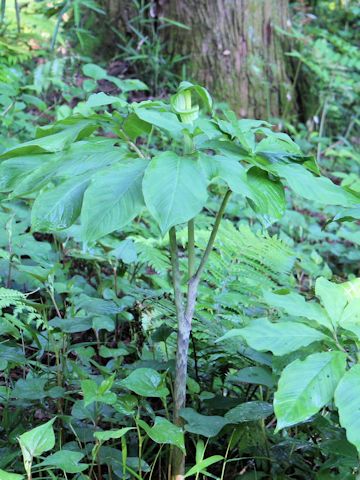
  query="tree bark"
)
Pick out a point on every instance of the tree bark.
point(235, 51)
point(119, 13)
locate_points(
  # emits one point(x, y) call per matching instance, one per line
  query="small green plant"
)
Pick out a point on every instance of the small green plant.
point(331, 371)
point(103, 182)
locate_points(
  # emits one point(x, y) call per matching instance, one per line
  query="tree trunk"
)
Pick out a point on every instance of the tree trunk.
point(235, 51)
point(119, 12)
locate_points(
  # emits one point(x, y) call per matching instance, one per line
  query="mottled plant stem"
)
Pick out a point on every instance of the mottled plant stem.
point(184, 318)
point(176, 276)
point(191, 248)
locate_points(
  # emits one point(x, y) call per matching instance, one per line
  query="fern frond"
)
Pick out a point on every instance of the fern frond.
point(241, 266)
point(21, 310)
point(10, 297)
point(152, 255)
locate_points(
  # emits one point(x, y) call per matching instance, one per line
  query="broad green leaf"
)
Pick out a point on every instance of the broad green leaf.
point(269, 194)
point(279, 338)
point(37, 102)
point(350, 318)
point(208, 426)
point(30, 388)
point(175, 189)
point(106, 384)
point(249, 412)
point(65, 460)
point(247, 124)
point(146, 382)
point(38, 178)
point(28, 174)
point(347, 215)
point(238, 130)
point(278, 144)
point(134, 127)
point(106, 352)
point(203, 465)
point(164, 432)
point(97, 73)
point(10, 476)
point(255, 375)
point(113, 199)
point(332, 297)
point(127, 404)
point(229, 170)
point(101, 99)
point(127, 85)
point(37, 441)
point(162, 333)
point(125, 251)
point(97, 393)
point(94, 71)
point(316, 189)
point(52, 139)
point(112, 434)
point(59, 207)
point(103, 323)
point(72, 325)
point(306, 386)
point(125, 467)
point(97, 306)
point(90, 155)
point(52, 143)
point(164, 120)
point(224, 147)
point(347, 400)
point(14, 169)
point(295, 304)
point(39, 273)
point(342, 451)
point(351, 289)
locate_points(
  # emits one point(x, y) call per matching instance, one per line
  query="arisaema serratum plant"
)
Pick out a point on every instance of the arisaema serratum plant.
point(76, 175)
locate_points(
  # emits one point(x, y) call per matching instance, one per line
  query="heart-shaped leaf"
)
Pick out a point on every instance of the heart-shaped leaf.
point(164, 432)
point(65, 460)
point(208, 426)
point(249, 412)
point(146, 382)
